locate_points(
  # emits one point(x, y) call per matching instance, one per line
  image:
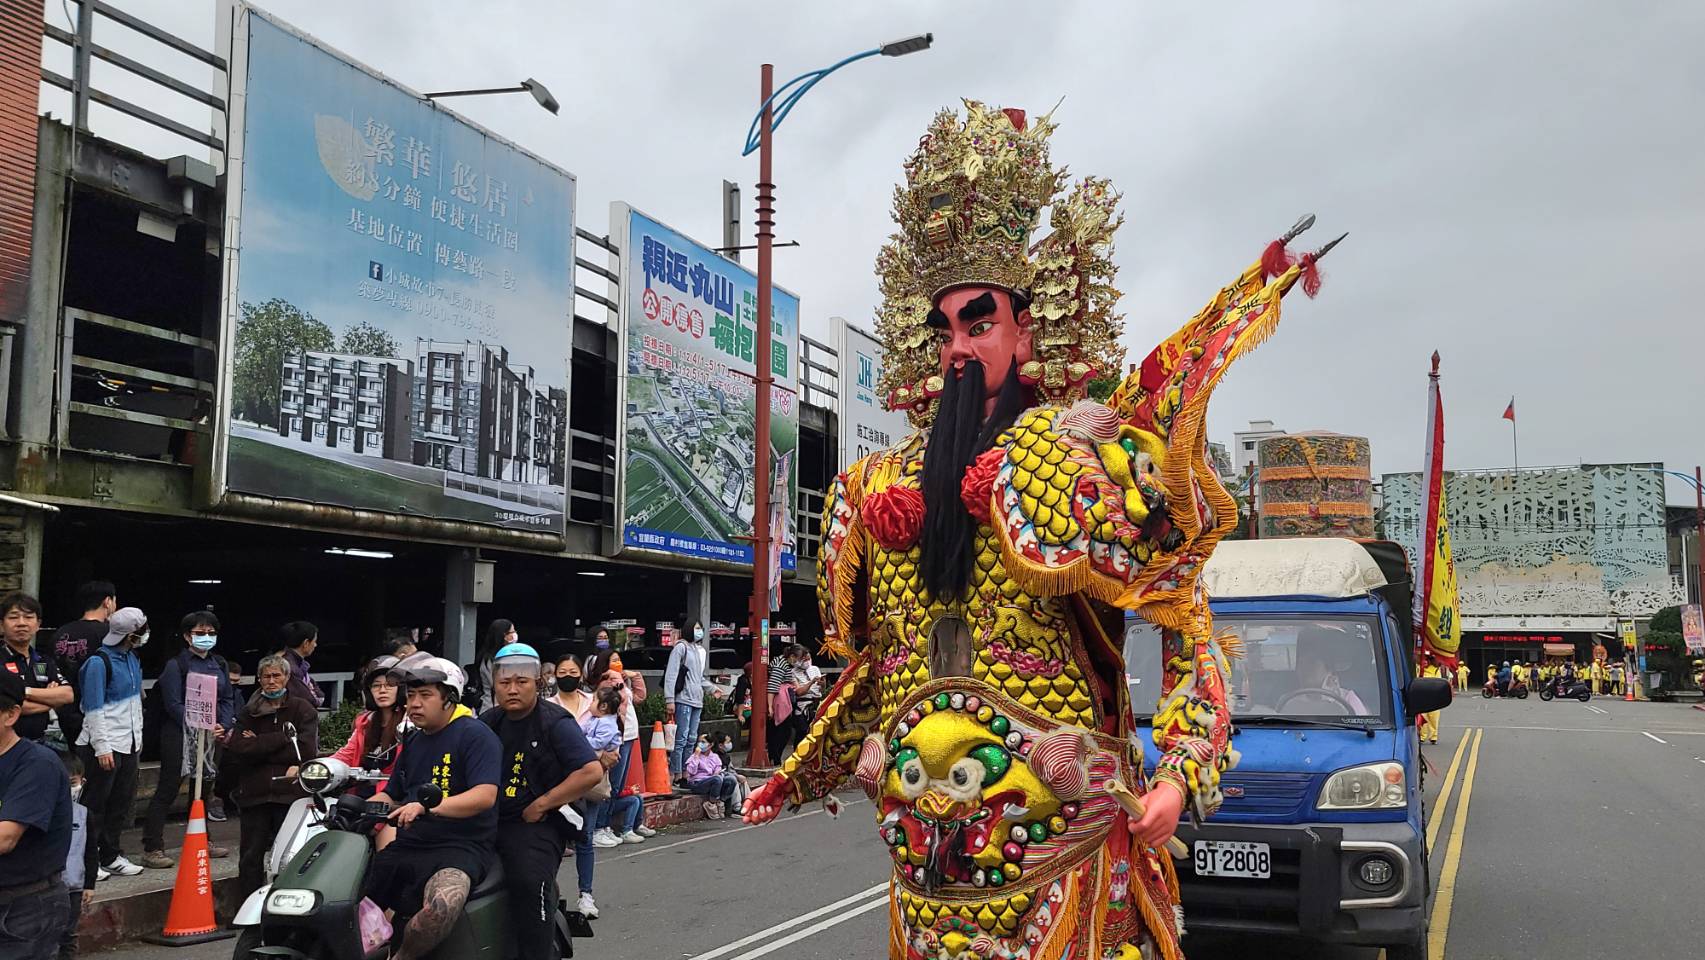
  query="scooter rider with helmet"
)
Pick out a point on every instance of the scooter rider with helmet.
point(429, 861)
point(1504, 677)
point(547, 764)
point(376, 738)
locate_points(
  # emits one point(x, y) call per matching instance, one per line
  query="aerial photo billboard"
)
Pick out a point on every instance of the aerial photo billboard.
point(689, 324)
point(398, 313)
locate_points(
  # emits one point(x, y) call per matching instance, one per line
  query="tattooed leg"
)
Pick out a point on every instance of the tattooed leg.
point(445, 895)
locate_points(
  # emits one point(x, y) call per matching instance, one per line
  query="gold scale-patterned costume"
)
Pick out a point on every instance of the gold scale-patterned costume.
point(985, 727)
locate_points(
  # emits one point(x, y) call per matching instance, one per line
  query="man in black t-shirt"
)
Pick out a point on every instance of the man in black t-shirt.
point(46, 690)
point(547, 764)
point(77, 641)
point(429, 859)
point(35, 835)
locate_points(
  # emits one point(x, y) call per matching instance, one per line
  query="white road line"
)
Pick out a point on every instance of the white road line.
point(723, 833)
point(812, 930)
point(1602, 713)
point(796, 921)
point(1667, 733)
point(1650, 737)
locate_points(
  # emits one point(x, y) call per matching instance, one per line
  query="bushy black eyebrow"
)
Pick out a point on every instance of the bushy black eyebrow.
point(981, 307)
point(935, 318)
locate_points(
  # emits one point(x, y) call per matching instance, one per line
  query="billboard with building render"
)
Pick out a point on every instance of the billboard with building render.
point(398, 297)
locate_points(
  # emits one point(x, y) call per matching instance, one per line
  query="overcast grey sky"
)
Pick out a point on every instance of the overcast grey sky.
point(1521, 179)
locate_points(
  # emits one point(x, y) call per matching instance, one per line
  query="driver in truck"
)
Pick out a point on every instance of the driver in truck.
point(1316, 653)
point(429, 860)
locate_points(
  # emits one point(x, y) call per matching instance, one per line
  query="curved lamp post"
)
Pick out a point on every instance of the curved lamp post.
point(758, 136)
point(528, 85)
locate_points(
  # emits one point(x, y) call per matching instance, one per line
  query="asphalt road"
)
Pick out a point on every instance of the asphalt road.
point(1570, 832)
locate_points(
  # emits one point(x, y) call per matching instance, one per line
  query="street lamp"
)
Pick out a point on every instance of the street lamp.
point(758, 136)
point(528, 85)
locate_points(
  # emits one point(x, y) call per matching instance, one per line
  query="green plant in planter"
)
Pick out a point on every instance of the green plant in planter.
point(715, 708)
point(650, 710)
point(336, 726)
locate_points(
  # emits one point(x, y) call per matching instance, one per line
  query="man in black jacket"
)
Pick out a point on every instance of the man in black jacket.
point(547, 764)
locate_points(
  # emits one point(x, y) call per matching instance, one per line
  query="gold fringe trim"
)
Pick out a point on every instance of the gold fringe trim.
point(1163, 930)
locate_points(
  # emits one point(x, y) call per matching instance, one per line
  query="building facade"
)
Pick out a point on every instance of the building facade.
point(1245, 442)
point(347, 402)
point(478, 415)
point(1548, 558)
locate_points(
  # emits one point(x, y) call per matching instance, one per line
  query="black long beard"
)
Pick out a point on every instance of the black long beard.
point(957, 437)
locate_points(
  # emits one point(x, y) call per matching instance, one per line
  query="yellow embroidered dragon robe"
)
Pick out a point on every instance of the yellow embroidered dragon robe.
point(985, 727)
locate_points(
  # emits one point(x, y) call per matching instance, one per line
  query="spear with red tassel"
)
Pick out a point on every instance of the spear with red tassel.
point(1276, 259)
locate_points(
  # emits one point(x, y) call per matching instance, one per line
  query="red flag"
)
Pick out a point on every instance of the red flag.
point(1510, 411)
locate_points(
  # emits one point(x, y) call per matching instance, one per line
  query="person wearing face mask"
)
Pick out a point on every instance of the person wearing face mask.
point(683, 693)
point(607, 668)
point(572, 693)
point(265, 764)
point(111, 742)
point(200, 631)
point(706, 778)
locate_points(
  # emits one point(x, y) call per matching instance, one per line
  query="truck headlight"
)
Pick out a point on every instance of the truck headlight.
point(291, 903)
point(1376, 786)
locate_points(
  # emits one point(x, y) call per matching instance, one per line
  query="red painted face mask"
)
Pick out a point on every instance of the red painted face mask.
point(978, 323)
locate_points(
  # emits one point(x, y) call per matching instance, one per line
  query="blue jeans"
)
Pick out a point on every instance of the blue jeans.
point(625, 812)
point(30, 925)
point(583, 860)
point(718, 787)
point(686, 734)
point(618, 776)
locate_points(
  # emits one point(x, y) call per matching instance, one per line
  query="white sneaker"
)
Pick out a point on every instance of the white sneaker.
point(120, 867)
point(606, 838)
point(585, 907)
point(632, 836)
point(644, 831)
point(101, 874)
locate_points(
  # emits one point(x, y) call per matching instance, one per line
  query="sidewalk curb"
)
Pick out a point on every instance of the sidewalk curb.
point(117, 921)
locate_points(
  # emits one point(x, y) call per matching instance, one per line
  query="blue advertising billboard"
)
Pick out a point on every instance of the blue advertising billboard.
point(399, 307)
point(688, 342)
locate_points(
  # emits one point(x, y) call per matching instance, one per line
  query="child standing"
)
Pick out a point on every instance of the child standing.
point(81, 894)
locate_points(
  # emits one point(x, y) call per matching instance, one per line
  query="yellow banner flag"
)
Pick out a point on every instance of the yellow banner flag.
point(1441, 626)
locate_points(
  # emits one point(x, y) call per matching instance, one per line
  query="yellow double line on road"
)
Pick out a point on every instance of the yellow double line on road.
point(1445, 894)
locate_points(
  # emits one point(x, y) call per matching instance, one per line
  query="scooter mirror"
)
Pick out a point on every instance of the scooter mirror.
point(429, 795)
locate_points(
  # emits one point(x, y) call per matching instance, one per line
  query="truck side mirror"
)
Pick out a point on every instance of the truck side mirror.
point(1426, 694)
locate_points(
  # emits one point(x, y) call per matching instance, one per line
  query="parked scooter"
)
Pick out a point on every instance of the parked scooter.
point(1576, 688)
point(1517, 691)
point(314, 914)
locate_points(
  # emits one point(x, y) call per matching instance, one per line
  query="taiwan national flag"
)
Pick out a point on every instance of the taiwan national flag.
point(1510, 411)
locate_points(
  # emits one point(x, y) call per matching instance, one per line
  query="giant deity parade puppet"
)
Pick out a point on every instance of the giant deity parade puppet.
point(975, 576)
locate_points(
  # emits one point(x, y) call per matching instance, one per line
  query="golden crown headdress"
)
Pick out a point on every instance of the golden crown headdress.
point(974, 193)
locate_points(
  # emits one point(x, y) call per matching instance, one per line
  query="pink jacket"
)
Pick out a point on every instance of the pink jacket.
point(350, 752)
point(702, 765)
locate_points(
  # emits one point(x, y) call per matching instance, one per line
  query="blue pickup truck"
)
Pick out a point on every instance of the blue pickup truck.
point(1322, 832)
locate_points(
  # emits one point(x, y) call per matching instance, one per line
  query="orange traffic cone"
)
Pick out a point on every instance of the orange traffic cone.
point(636, 772)
point(190, 917)
point(657, 763)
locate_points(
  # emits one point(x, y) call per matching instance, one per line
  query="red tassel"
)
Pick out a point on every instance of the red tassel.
point(1275, 259)
point(1310, 275)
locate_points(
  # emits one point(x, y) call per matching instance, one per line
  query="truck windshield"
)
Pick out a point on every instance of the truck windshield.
point(1305, 668)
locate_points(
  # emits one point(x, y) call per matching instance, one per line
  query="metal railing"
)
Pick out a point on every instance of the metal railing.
point(84, 50)
point(819, 374)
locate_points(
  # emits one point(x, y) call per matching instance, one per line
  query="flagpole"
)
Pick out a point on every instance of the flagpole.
point(1515, 451)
